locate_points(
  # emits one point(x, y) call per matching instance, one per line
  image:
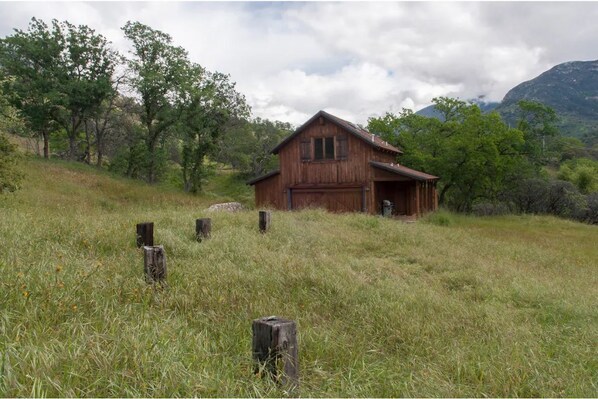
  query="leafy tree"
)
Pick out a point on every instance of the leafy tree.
point(32, 59)
point(10, 177)
point(538, 124)
point(159, 72)
point(247, 147)
point(476, 155)
point(85, 78)
point(582, 172)
point(211, 102)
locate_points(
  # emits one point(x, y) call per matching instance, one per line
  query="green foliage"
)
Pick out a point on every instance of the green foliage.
point(582, 172)
point(85, 77)
point(160, 72)
point(10, 176)
point(211, 104)
point(476, 155)
point(439, 218)
point(538, 124)
point(247, 146)
point(32, 60)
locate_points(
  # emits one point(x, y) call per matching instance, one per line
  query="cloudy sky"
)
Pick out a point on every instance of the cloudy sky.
point(352, 59)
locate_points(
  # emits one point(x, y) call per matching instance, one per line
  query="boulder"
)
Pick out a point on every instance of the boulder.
point(227, 207)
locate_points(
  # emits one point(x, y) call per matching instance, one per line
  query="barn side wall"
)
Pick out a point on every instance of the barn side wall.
point(270, 193)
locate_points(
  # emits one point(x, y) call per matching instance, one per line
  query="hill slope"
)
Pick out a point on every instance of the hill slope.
point(497, 307)
point(571, 89)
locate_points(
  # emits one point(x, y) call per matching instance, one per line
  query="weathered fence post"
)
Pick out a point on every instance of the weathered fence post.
point(203, 229)
point(264, 221)
point(275, 350)
point(145, 234)
point(154, 263)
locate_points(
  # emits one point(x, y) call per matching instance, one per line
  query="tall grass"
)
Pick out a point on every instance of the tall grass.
point(499, 306)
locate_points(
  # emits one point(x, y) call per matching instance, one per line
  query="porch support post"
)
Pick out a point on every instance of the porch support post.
point(290, 199)
point(417, 205)
point(364, 207)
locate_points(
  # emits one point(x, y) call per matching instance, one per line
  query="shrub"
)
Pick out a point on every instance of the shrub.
point(490, 209)
point(439, 218)
point(10, 177)
point(591, 211)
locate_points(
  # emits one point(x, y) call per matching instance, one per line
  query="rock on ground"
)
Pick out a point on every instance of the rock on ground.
point(226, 206)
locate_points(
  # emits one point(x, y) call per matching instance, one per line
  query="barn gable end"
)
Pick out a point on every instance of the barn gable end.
point(332, 163)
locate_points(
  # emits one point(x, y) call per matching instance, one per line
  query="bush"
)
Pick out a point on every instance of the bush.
point(591, 211)
point(10, 177)
point(439, 218)
point(490, 209)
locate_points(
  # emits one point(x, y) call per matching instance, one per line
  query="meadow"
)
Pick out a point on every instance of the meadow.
point(449, 306)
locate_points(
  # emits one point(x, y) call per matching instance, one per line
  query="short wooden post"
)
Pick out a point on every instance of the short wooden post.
point(154, 263)
point(264, 221)
point(203, 229)
point(145, 234)
point(275, 350)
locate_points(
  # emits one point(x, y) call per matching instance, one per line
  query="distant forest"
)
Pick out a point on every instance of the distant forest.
point(155, 115)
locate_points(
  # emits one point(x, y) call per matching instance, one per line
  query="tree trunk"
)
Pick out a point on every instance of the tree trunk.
point(46, 136)
point(87, 144)
point(443, 192)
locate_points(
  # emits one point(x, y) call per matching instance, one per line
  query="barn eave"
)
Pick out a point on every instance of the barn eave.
point(404, 171)
point(264, 177)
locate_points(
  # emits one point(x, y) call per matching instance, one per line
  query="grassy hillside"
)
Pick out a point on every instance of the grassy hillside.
point(454, 306)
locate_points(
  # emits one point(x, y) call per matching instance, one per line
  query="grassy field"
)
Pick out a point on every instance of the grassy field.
point(448, 306)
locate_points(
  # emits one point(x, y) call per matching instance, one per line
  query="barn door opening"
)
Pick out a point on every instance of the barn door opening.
point(397, 192)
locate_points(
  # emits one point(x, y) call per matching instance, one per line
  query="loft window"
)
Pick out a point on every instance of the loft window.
point(323, 148)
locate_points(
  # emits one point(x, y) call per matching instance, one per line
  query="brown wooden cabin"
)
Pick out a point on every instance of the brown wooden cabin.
point(331, 163)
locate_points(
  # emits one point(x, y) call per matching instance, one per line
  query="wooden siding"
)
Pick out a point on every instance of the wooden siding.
point(270, 193)
point(353, 169)
point(334, 199)
point(341, 185)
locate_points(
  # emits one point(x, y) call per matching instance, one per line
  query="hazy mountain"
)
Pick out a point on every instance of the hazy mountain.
point(571, 89)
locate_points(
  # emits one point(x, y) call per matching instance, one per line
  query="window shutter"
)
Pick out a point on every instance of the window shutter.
point(305, 150)
point(341, 147)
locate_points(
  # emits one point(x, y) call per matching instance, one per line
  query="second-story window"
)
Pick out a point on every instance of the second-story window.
point(323, 148)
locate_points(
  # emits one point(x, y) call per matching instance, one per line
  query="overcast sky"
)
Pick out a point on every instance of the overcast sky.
point(354, 60)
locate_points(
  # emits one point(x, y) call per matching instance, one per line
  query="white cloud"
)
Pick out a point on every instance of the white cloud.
point(356, 59)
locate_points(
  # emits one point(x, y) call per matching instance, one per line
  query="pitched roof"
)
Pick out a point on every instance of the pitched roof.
point(363, 134)
point(264, 177)
point(403, 171)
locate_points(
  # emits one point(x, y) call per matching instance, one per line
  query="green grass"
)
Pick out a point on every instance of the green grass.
point(448, 306)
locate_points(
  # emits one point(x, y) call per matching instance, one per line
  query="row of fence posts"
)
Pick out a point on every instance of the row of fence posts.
point(274, 344)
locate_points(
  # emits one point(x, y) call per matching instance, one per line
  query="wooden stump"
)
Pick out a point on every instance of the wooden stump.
point(264, 221)
point(154, 264)
point(203, 229)
point(275, 350)
point(145, 234)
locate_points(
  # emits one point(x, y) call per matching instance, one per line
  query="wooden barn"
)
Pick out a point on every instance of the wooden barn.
point(334, 164)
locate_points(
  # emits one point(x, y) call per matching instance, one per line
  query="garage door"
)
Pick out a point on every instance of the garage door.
point(334, 200)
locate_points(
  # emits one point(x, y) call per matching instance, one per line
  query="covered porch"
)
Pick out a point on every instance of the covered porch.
point(411, 192)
